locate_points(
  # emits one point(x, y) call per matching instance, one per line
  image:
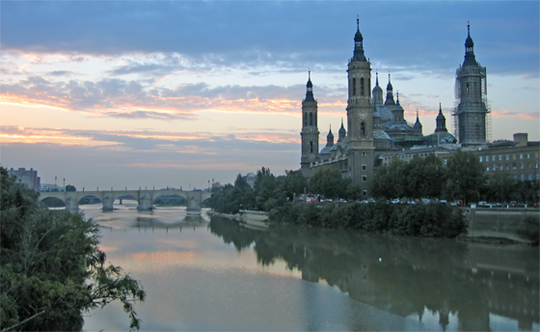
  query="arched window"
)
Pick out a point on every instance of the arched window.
point(305, 119)
point(310, 146)
point(311, 119)
point(363, 129)
point(354, 86)
point(361, 86)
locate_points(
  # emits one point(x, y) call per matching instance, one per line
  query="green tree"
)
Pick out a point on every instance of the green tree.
point(70, 187)
point(329, 182)
point(265, 187)
point(465, 177)
point(389, 180)
point(292, 183)
point(424, 177)
point(499, 187)
point(51, 268)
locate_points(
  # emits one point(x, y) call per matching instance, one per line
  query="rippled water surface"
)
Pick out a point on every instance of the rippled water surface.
point(202, 274)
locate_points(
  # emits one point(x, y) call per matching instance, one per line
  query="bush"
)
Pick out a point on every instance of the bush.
point(429, 220)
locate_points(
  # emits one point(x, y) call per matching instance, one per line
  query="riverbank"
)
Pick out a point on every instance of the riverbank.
point(502, 225)
point(250, 219)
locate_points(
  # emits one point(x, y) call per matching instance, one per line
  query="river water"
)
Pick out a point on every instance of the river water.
point(214, 274)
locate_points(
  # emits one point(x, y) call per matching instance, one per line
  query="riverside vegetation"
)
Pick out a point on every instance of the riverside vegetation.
point(52, 270)
point(462, 179)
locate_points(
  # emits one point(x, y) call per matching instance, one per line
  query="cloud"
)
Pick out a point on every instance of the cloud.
point(131, 99)
point(236, 33)
point(511, 113)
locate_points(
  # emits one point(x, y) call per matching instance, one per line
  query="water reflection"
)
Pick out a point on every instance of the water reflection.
point(480, 284)
point(203, 274)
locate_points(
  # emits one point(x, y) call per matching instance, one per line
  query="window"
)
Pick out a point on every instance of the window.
point(361, 86)
point(310, 146)
point(494, 167)
point(481, 159)
point(363, 129)
point(521, 156)
point(487, 158)
point(364, 167)
point(364, 178)
point(364, 193)
point(521, 165)
point(522, 177)
point(529, 177)
point(487, 169)
point(513, 165)
point(507, 157)
point(501, 167)
point(354, 86)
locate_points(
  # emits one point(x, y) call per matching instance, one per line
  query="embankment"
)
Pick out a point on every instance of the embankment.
point(499, 223)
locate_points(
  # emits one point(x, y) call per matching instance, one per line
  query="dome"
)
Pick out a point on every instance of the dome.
point(384, 114)
point(380, 134)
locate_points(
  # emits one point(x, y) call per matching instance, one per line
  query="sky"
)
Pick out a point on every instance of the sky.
point(183, 93)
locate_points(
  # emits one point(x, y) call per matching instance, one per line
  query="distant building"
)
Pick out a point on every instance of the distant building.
point(51, 187)
point(518, 158)
point(27, 177)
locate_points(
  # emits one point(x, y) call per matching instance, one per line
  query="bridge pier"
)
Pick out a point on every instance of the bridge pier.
point(145, 201)
point(193, 205)
point(107, 202)
point(72, 204)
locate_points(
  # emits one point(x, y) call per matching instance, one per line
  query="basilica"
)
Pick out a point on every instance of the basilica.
point(376, 125)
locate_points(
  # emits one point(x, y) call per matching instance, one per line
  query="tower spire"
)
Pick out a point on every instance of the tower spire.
point(358, 54)
point(470, 59)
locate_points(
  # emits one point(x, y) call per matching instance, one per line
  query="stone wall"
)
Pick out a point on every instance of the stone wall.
point(498, 223)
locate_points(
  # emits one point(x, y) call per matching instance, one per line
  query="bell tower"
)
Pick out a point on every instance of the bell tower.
point(471, 94)
point(310, 132)
point(360, 149)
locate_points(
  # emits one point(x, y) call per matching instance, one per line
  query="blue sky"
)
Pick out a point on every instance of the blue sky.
point(174, 93)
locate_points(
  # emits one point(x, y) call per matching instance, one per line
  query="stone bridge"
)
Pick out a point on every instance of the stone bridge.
point(145, 198)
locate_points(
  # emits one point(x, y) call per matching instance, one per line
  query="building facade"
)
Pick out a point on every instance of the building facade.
point(27, 177)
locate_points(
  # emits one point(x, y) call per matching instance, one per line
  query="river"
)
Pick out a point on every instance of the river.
point(214, 274)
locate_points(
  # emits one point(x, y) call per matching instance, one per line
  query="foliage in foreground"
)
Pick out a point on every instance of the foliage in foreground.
point(52, 271)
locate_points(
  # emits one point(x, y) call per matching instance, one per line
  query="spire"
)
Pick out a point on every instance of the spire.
point(470, 59)
point(389, 94)
point(389, 86)
point(330, 137)
point(342, 132)
point(309, 89)
point(417, 125)
point(440, 121)
point(377, 92)
point(358, 54)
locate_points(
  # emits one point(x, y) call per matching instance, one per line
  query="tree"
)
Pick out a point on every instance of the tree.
point(51, 268)
point(424, 177)
point(465, 177)
point(329, 182)
point(389, 180)
point(70, 187)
